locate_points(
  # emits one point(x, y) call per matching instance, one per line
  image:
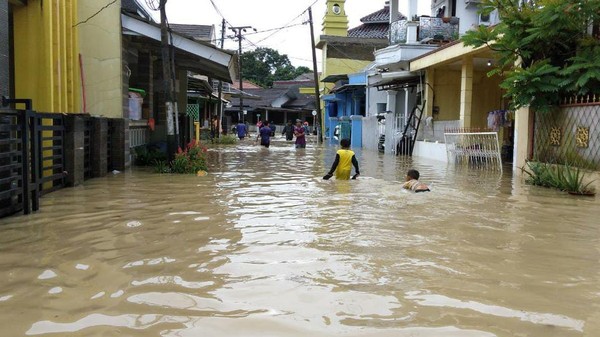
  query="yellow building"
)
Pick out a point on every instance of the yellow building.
point(63, 64)
point(347, 51)
point(84, 56)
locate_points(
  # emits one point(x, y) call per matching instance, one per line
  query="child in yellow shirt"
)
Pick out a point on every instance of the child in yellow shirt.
point(344, 160)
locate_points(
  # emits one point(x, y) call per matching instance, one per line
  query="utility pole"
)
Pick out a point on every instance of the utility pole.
point(238, 34)
point(167, 80)
point(221, 82)
point(319, 116)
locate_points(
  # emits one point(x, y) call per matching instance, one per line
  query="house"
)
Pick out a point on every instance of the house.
point(282, 103)
point(348, 51)
point(93, 77)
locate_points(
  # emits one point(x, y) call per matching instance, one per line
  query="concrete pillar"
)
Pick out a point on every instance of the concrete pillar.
point(523, 138)
point(74, 150)
point(99, 147)
point(466, 92)
point(120, 144)
point(391, 100)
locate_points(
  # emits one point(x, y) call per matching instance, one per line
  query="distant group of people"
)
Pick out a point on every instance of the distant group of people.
point(266, 130)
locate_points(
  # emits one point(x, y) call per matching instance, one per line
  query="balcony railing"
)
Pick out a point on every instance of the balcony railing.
point(434, 29)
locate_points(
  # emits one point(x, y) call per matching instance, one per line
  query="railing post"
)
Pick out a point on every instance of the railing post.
point(26, 169)
point(120, 144)
point(99, 147)
point(74, 150)
point(36, 158)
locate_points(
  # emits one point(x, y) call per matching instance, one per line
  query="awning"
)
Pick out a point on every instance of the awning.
point(396, 80)
point(335, 78)
point(197, 56)
point(347, 87)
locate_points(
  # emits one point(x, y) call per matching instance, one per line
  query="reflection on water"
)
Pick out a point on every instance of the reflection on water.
point(263, 246)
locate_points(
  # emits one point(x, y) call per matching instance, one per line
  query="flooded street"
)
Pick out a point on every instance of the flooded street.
point(262, 246)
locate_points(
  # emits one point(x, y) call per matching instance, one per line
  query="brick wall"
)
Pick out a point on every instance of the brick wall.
point(4, 49)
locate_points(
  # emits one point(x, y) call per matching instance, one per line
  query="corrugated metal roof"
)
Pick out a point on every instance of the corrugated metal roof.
point(370, 31)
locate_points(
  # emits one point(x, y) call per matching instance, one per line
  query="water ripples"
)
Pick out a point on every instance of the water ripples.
point(263, 246)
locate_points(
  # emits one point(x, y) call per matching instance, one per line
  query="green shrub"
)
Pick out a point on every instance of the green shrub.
point(190, 160)
point(573, 181)
point(147, 157)
point(225, 140)
point(161, 166)
point(562, 177)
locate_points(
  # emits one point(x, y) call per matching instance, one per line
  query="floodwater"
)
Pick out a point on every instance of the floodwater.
point(262, 246)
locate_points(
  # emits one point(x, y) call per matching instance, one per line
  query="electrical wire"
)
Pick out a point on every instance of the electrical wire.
point(287, 24)
point(272, 29)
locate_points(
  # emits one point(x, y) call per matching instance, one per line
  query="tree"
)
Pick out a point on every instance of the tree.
point(263, 66)
point(545, 49)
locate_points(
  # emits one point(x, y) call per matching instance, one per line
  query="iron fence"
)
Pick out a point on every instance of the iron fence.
point(33, 156)
point(570, 135)
point(49, 135)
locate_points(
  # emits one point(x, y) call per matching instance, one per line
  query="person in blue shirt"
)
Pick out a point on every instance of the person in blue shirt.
point(265, 135)
point(242, 131)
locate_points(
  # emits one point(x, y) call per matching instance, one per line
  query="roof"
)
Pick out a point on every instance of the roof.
point(133, 7)
point(381, 16)
point(197, 56)
point(196, 32)
point(270, 95)
point(347, 87)
point(335, 78)
point(291, 83)
point(247, 85)
point(375, 25)
point(370, 31)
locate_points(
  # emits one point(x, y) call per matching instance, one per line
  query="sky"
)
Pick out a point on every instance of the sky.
point(265, 15)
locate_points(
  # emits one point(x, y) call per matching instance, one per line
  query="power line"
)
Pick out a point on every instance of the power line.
point(278, 28)
point(287, 24)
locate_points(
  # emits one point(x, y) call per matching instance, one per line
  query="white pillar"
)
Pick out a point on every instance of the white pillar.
point(391, 100)
point(394, 12)
point(411, 32)
point(523, 142)
point(412, 9)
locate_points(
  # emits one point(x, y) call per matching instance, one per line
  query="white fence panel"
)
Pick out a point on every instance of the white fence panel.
point(476, 149)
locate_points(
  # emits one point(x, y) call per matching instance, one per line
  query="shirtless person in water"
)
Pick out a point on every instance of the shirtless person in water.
point(412, 182)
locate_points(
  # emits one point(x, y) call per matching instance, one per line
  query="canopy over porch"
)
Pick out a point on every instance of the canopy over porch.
point(196, 56)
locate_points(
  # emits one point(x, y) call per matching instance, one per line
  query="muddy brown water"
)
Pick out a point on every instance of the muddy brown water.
point(263, 247)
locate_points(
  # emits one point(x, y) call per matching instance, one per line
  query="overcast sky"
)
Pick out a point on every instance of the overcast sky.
point(268, 14)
